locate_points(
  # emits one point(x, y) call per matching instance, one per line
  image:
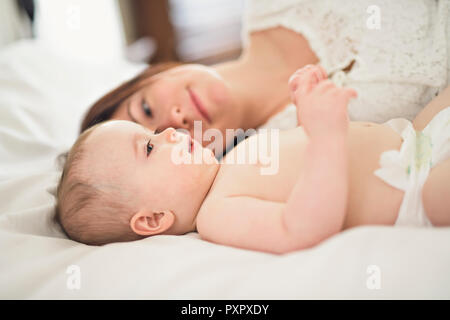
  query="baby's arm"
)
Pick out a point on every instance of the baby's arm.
point(315, 209)
point(317, 205)
point(246, 222)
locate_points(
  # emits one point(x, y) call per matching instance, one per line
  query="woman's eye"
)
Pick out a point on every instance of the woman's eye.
point(146, 109)
point(149, 147)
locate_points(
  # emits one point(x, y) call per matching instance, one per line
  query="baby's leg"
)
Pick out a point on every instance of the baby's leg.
point(436, 194)
point(437, 104)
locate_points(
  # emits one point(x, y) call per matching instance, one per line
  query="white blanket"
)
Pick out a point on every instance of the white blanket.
point(42, 99)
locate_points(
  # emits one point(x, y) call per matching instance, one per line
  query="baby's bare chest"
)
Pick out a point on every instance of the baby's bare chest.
point(247, 180)
point(272, 173)
point(263, 166)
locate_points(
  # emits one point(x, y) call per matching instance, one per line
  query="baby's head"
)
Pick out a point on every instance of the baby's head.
point(121, 183)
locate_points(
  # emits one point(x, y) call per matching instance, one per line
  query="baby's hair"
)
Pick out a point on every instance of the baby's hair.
point(88, 211)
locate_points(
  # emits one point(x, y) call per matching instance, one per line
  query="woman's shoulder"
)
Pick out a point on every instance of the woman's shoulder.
point(267, 7)
point(322, 23)
point(340, 32)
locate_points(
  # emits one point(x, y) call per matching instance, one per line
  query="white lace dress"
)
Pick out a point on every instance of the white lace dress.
point(400, 61)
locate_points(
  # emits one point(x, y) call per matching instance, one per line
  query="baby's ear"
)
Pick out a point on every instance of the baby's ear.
point(149, 223)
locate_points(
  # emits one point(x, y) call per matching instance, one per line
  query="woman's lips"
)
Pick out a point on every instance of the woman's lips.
point(198, 105)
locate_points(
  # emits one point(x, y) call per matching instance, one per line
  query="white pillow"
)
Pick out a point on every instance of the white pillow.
point(43, 98)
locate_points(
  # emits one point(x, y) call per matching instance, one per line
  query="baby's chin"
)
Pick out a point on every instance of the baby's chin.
point(209, 157)
point(211, 146)
point(202, 155)
point(186, 221)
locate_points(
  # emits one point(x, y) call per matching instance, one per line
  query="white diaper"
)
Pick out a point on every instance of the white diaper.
point(408, 168)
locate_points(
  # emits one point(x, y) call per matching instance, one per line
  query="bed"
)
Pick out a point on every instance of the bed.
point(42, 99)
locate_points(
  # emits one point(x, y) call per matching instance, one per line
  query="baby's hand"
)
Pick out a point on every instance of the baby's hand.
point(321, 106)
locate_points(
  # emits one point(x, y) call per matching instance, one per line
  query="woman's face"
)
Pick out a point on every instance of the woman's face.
point(178, 97)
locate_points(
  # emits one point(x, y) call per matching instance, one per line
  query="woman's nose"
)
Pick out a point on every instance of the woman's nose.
point(178, 118)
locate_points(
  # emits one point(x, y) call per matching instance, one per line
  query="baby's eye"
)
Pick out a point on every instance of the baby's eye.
point(149, 147)
point(146, 109)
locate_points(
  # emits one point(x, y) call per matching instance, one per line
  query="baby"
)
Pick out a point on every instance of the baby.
point(120, 182)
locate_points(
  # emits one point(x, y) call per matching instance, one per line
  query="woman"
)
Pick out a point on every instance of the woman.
point(243, 93)
point(394, 53)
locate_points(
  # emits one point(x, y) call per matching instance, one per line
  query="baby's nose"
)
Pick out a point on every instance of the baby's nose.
point(170, 134)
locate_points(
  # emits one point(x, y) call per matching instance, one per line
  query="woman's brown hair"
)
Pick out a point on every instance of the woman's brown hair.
point(104, 108)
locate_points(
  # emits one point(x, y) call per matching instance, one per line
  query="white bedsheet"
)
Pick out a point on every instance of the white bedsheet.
point(42, 99)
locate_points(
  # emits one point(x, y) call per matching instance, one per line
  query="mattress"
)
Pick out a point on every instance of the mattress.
point(42, 99)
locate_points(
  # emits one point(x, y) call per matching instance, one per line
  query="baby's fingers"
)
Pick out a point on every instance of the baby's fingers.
point(345, 94)
point(323, 73)
point(351, 93)
point(325, 86)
